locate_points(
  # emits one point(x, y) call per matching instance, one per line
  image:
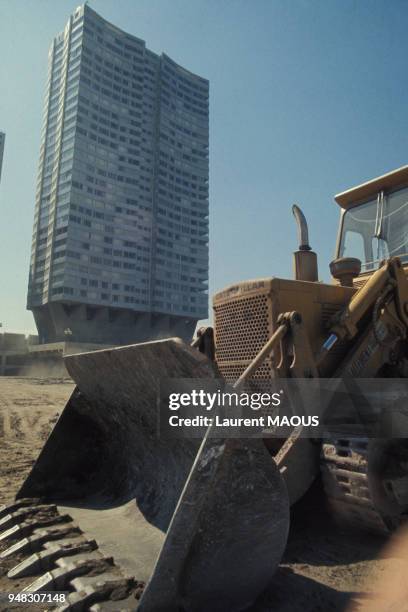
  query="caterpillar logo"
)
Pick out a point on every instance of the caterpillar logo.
point(242, 288)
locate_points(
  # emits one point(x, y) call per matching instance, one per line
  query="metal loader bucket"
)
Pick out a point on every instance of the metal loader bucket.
point(204, 524)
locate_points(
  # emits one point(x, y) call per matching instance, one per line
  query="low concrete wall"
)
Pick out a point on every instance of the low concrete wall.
point(21, 355)
point(17, 343)
point(14, 349)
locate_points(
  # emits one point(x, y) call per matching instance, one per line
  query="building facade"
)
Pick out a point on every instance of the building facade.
point(2, 141)
point(120, 240)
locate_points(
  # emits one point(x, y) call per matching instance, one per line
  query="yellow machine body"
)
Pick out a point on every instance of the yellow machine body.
point(246, 314)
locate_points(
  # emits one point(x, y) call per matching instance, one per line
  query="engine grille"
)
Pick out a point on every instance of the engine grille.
point(242, 326)
point(232, 371)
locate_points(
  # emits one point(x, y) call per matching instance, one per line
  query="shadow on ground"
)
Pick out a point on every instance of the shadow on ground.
point(325, 563)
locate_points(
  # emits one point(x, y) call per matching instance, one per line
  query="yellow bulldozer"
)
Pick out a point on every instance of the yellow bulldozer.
point(123, 519)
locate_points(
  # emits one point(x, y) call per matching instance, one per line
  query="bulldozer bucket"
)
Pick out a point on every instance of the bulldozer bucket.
point(203, 522)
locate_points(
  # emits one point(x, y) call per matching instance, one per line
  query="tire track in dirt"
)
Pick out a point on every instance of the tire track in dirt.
point(32, 425)
point(15, 425)
point(7, 426)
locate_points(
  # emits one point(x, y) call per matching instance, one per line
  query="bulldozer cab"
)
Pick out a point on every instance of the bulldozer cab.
point(374, 222)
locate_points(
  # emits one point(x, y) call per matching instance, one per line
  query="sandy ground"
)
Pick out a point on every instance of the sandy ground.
point(325, 567)
point(29, 407)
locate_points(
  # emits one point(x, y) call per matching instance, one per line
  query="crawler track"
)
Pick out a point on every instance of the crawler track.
point(356, 491)
point(45, 551)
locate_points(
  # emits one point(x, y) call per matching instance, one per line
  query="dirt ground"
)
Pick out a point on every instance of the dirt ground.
point(325, 567)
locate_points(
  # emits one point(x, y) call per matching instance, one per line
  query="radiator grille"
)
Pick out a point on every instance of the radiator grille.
point(232, 371)
point(243, 326)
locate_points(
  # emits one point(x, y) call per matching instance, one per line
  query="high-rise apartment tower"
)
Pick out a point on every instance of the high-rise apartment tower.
point(120, 241)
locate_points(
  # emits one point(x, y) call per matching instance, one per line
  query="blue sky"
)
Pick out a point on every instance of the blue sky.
point(307, 98)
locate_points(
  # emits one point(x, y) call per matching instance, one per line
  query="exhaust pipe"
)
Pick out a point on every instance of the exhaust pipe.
point(304, 259)
point(303, 231)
